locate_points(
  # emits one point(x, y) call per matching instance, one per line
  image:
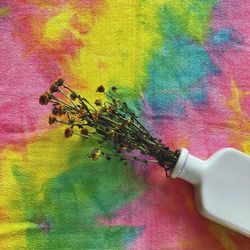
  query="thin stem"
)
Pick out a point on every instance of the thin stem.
point(108, 149)
point(81, 100)
point(67, 87)
point(63, 122)
point(68, 99)
point(125, 135)
point(85, 136)
point(134, 117)
point(67, 123)
point(66, 104)
point(68, 109)
point(108, 95)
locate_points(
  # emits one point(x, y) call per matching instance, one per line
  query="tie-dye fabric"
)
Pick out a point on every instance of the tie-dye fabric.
point(183, 66)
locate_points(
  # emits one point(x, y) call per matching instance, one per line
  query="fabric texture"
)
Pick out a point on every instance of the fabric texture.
point(182, 66)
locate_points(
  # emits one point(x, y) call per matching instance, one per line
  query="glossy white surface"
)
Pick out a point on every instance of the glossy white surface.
point(222, 186)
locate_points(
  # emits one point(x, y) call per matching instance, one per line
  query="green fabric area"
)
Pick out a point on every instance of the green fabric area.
point(73, 200)
point(186, 19)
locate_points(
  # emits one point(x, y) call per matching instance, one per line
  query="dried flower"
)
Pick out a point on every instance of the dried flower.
point(112, 133)
point(61, 110)
point(83, 114)
point(124, 106)
point(108, 157)
point(96, 115)
point(113, 123)
point(84, 131)
point(95, 154)
point(98, 102)
point(68, 132)
point(115, 101)
point(53, 88)
point(52, 119)
point(126, 122)
point(44, 98)
point(59, 82)
point(55, 110)
point(114, 88)
point(73, 96)
point(106, 109)
point(71, 120)
point(100, 89)
point(121, 147)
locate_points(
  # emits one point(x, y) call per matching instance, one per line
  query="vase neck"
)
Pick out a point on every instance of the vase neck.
point(188, 167)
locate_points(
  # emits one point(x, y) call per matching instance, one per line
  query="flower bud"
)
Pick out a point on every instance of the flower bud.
point(52, 119)
point(44, 98)
point(84, 131)
point(73, 96)
point(68, 132)
point(98, 102)
point(115, 101)
point(53, 88)
point(100, 89)
point(72, 120)
point(61, 110)
point(114, 88)
point(55, 110)
point(95, 154)
point(59, 82)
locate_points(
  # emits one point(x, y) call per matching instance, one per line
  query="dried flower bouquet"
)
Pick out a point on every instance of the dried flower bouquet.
point(106, 122)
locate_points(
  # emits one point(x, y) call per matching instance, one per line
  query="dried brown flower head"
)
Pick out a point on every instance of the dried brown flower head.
point(112, 133)
point(98, 102)
point(71, 120)
point(68, 132)
point(84, 131)
point(73, 96)
point(115, 101)
point(121, 147)
point(52, 119)
point(44, 98)
point(100, 89)
point(53, 88)
point(114, 88)
point(61, 110)
point(59, 82)
point(108, 157)
point(126, 122)
point(82, 114)
point(95, 154)
point(124, 106)
point(96, 115)
point(55, 110)
point(106, 109)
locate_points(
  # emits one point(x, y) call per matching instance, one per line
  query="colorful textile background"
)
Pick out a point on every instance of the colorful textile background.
point(183, 66)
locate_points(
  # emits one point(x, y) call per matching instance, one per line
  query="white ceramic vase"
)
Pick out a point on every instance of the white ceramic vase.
point(222, 186)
